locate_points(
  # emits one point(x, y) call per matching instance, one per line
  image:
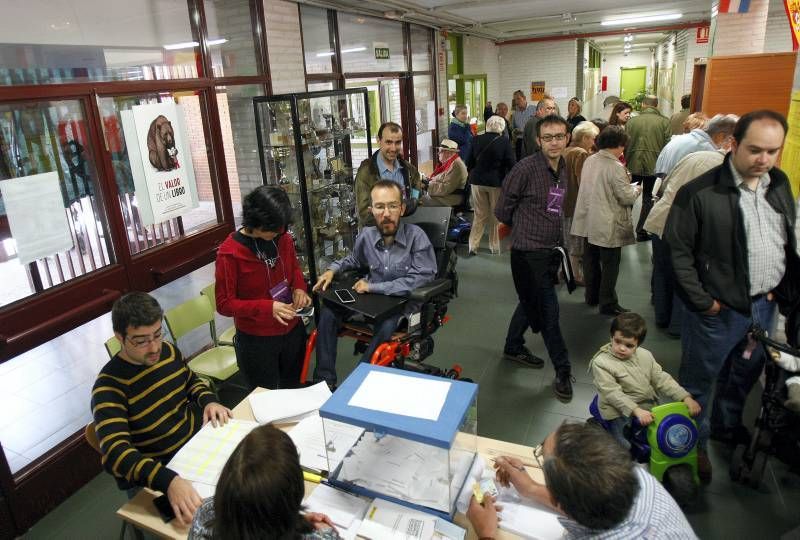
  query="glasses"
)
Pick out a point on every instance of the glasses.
point(140, 342)
point(550, 138)
point(538, 455)
point(391, 207)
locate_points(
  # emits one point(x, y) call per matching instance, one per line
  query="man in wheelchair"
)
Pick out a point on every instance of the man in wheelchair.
point(400, 258)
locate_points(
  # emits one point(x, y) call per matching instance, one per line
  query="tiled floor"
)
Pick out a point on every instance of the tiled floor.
point(44, 393)
point(517, 404)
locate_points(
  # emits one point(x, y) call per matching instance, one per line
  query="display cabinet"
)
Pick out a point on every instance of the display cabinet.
point(311, 145)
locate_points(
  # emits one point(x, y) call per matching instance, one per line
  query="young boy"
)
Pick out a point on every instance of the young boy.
point(628, 379)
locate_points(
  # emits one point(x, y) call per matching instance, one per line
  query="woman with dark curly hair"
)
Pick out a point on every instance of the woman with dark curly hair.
point(260, 284)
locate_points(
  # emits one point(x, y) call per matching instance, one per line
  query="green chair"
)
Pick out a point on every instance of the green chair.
point(113, 346)
point(215, 364)
point(226, 338)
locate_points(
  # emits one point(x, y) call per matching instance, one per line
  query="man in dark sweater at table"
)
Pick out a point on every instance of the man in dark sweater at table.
point(147, 404)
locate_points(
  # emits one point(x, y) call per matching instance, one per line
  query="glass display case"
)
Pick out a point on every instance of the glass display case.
point(416, 437)
point(311, 145)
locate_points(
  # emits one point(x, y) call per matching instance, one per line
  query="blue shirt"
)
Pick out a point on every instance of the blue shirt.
point(654, 515)
point(395, 176)
point(681, 146)
point(395, 270)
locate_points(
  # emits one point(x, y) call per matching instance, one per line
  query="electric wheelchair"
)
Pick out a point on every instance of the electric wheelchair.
point(412, 343)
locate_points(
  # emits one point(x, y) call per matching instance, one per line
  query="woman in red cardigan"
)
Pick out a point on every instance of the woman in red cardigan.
point(260, 285)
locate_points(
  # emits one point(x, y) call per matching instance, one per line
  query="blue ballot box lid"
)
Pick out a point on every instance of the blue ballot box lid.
point(440, 432)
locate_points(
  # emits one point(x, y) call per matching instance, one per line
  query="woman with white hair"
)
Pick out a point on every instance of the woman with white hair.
point(581, 147)
point(574, 116)
point(490, 159)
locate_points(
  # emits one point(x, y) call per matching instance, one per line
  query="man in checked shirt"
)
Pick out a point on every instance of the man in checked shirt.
point(734, 254)
point(531, 203)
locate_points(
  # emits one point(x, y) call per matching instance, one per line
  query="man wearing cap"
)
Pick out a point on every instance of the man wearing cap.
point(386, 164)
point(446, 185)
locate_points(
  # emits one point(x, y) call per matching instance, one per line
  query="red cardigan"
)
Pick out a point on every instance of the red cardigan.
point(243, 286)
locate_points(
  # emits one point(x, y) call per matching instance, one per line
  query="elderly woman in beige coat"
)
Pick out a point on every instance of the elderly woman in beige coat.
point(603, 217)
point(446, 185)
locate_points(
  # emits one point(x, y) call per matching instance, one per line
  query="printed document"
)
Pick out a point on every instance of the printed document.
point(287, 405)
point(343, 508)
point(318, 443)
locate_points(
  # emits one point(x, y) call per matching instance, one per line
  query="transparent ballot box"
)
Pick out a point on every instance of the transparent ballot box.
point(415, 437)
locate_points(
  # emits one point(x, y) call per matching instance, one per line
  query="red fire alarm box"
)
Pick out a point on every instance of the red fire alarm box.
point(604, 83)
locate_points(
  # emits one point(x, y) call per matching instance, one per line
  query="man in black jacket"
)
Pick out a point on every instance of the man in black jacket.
point(732, 240)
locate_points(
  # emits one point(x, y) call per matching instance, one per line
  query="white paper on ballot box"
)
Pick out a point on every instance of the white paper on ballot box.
point(401, 394)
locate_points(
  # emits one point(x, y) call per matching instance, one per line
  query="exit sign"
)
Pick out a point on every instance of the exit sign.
point(381, 51)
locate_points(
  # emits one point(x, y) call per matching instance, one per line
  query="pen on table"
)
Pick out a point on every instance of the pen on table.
point(521, 467)
point(311, 477)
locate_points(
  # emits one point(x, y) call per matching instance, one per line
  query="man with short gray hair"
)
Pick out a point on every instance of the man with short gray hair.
point(545, 107)
point(649, 132)
point(717, 135)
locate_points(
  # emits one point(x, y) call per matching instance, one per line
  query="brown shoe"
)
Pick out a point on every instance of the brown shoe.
point(703, 466)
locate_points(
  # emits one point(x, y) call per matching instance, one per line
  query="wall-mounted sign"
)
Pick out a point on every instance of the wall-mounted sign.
point(702, 35)
point(381, 50)
point(537, 90)
point(793, 12)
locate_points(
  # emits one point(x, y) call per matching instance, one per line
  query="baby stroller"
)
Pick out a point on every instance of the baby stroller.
point(777, 429)
point(668, 446)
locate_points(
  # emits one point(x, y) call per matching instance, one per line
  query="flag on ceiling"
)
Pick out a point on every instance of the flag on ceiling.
point(734, 6)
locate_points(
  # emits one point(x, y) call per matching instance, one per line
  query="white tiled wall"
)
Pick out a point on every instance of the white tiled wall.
point(778, 37)
point(284, 44)
point(482, 56)
point(741, 33)
point(549, 61)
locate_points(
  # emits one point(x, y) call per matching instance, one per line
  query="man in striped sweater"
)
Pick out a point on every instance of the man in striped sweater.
point(147, 403)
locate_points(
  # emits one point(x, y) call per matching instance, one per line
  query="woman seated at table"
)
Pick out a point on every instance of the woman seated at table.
point(260, 284)
point(447, 184)
point(260, 495)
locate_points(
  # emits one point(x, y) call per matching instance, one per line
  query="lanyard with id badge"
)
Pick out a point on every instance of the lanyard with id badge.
point(280, 291)
point(555, 197)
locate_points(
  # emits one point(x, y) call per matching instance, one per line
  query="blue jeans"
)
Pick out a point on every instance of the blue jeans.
point(327, 336)
point(617, 429)
point(533, 274)
point(712, 352)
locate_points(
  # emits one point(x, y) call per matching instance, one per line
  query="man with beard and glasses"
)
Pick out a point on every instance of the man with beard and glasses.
point(400, 259)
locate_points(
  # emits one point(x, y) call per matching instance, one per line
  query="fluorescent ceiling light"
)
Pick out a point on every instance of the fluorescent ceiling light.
point(326, 53)
point(218, 41)
point(354, 49)
point(184, 45)
point(635, 19)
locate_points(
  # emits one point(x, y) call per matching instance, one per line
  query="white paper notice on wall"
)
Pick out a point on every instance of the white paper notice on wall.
point(401, 394)
point(558, 91)
point(166, 162)
point(36, 216)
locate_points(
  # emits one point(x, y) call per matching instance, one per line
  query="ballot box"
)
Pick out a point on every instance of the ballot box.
point(418, 442)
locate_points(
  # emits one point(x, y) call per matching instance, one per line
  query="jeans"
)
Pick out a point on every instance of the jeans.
point(515, 337)
point(648, 182)
point(603, 287)
point(534, 273)
point(327, 336)
point(662, 282)
point(617, 429)
point(271, 361)
point(712, 351)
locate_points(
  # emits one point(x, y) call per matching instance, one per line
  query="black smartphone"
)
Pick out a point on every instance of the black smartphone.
point(164, 508)
point(344, 296)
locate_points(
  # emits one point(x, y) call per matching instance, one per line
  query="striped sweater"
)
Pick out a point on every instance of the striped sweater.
point(144, 414)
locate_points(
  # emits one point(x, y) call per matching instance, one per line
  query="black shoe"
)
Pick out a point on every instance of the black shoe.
point(732, 437)
point(642, 237)
point(524, 357)
point(562, 386)
point(614, 310)
point(591, 303)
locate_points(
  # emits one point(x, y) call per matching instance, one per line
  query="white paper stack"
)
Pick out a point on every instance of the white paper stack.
point(343, 509)
point(526, 518)
point(288, 406)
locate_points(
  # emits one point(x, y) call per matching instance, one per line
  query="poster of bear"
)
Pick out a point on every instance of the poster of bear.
point(166, 161)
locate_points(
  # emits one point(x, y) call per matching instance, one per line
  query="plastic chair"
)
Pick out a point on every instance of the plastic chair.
point(218, 362)
point(113, 346)
point(226, 338)
point(90, 435)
